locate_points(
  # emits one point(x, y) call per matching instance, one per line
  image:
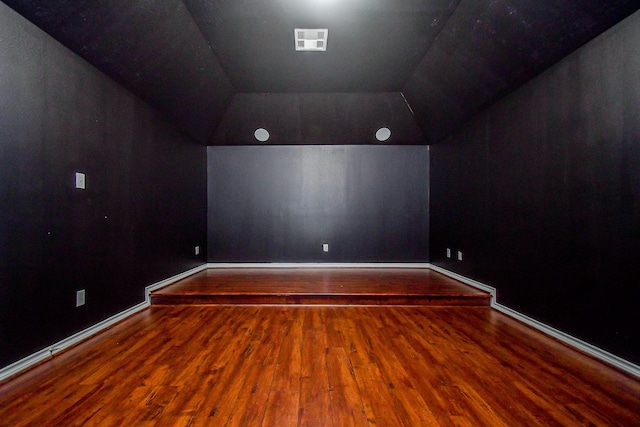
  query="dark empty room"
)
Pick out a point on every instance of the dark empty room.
point(319, 212)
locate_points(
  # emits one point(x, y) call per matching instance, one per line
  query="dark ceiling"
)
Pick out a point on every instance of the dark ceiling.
point(373, 45)
point(449, 58)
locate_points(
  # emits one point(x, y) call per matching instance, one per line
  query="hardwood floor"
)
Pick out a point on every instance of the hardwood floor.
point(318, 286)
point(320, 366)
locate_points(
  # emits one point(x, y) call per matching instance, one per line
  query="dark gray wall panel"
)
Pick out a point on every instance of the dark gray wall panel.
point(542, 194)
point(136, 223)
point(316, 118)
point(153, 47)
point(281, 203)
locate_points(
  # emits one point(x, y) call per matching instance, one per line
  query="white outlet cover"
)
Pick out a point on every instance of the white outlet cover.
point(448, 253)
point(80, 298)
point(459, 255)
point(325, 247)
point(197, 250)
point(81, 181)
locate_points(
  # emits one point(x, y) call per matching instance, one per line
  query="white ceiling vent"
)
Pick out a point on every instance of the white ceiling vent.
point(311, 40)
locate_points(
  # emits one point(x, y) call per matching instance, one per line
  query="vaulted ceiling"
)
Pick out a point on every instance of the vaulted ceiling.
point(448, 58)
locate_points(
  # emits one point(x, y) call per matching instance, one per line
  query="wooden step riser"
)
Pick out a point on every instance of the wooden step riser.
point(331, 300)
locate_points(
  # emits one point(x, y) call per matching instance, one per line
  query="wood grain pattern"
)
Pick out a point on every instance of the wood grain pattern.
point(320, 286)
point(320, 366)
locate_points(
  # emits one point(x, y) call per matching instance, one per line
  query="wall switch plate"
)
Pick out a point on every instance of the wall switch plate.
point(448, 253)
point(80, 297)
point(459, 255)
point(197, 250)
point(325, 247)
point(81, 181)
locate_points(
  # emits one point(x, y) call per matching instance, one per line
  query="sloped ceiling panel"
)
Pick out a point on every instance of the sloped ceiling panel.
point(489, 48)
point(152, 47)
point(450, 58)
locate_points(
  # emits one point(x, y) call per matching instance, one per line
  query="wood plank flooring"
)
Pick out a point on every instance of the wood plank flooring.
point(320, 286)
point(320, 366)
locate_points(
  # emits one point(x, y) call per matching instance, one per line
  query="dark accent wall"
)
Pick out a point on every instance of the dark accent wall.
point(281, 203)
point(318, 118)
point(541, 192)
point(137, 222)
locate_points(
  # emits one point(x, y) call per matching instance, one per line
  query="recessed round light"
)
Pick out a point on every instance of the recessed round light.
point(261, 134)
point(383, 134)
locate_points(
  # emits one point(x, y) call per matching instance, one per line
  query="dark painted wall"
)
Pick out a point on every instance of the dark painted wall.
point(137, 222)
point(318, 118)
point(542, 194)
point(281, 203)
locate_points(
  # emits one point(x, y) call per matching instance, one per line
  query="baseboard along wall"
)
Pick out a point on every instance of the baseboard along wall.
point(591, 350)
point(48, 352)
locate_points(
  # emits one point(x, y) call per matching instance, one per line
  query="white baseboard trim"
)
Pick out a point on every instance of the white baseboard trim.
point(591, 350)
point(48, 352)
point(467, 281)
point(170, 280)
point(317, 265)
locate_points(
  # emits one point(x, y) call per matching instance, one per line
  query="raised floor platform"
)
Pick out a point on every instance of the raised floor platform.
point(320, 286)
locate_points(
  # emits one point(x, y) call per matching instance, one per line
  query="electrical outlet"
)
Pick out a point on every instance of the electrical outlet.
point(197, 250)
point(81, 183)
point(459, 255)
point(325, 247)
point(448, 252)
point(80, 297)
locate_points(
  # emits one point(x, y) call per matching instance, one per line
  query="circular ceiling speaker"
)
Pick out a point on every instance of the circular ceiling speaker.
point(261, 134)
point(383, 134)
